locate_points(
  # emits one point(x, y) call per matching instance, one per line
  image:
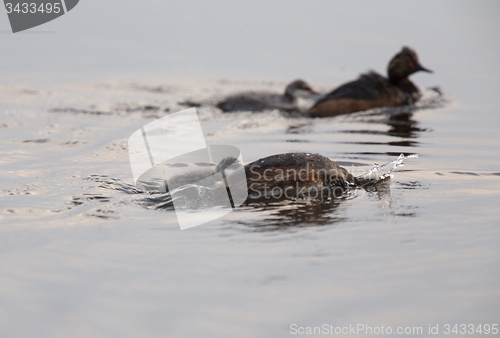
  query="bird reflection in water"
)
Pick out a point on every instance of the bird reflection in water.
point(403, 125)
point(290, 215)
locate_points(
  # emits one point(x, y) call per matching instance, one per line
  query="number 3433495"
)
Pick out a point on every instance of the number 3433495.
point(26, 7)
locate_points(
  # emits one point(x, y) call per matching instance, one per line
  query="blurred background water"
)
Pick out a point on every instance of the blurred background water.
point(82, 254)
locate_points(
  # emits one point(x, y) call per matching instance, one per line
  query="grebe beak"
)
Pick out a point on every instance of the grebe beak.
point(419, 67)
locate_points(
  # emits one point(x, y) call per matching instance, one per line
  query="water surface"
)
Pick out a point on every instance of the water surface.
point(85, 254)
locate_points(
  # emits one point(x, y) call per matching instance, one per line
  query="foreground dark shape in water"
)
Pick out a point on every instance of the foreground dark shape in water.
point(372, 90)
point(297, 175)
point(276, 178)
point(258, 101)
point(305, 176)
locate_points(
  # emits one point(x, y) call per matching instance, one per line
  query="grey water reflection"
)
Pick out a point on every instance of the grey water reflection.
point(286, 216)
point(289, 215)
point(402, 123)
point(405, 126)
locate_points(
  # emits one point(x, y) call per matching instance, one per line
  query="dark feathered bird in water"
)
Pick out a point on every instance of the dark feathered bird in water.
point(373, 90)
point(294, 175)
point(258, 101)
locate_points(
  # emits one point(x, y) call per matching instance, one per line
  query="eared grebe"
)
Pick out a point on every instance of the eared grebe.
point(373, 90)
point(289, 176)
point(297, 175)
point(258, 101)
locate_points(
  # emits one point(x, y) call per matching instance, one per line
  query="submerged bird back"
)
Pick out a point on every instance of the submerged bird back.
point(292, 173)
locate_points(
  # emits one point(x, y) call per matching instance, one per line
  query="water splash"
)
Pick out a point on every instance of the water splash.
point(381, 172)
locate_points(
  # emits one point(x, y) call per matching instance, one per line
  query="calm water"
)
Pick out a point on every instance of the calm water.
point(84, 255)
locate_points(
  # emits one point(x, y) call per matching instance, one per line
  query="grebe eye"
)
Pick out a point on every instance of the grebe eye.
point(411, 64)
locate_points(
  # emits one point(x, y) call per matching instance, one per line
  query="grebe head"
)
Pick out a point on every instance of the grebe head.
point(298, 88)
point(404, 64)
